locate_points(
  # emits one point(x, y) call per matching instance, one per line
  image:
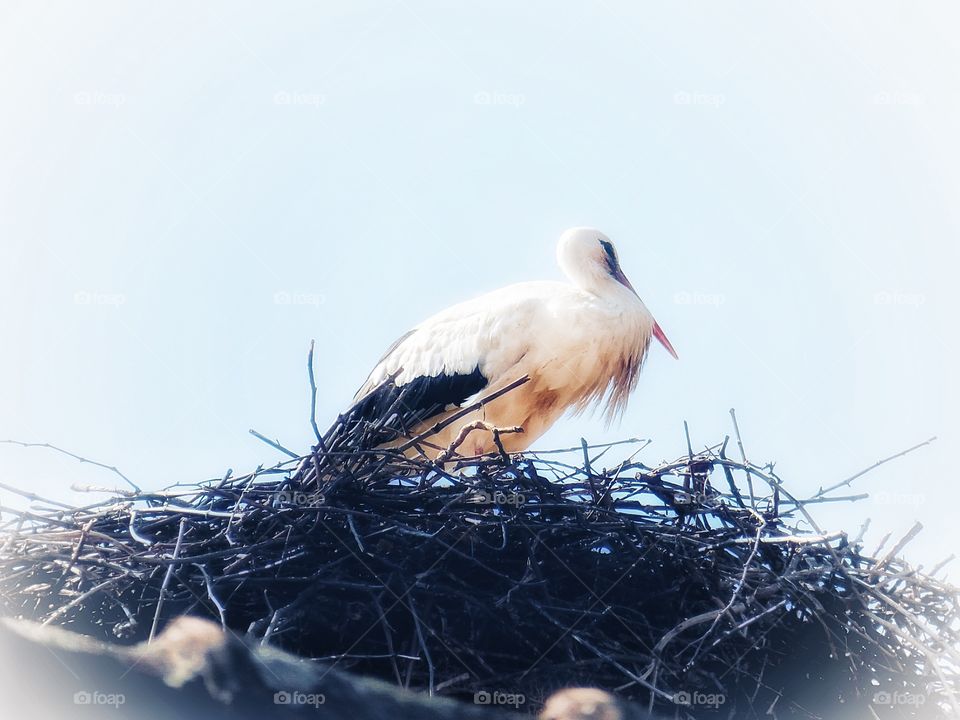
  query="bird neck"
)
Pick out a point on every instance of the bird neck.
point(604, 286)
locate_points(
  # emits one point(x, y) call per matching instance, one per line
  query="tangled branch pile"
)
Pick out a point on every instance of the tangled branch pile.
point(696, 586)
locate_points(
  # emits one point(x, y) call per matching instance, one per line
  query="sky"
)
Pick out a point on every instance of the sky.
point(191, 192)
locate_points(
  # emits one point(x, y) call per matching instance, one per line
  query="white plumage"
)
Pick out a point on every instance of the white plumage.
point(579, 342)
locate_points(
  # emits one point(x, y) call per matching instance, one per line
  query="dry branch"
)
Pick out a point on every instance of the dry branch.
point(510, 573)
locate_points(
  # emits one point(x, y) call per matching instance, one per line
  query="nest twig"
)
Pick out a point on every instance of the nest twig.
point(512, 573)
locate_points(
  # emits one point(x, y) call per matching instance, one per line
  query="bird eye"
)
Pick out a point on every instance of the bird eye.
point(611, 255)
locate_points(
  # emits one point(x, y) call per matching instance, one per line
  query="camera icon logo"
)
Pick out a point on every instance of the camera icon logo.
point(882, 698)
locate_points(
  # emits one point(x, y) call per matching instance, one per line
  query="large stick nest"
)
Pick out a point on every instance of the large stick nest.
point(701, 580)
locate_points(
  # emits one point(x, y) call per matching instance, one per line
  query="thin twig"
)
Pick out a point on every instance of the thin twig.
point(877, 464)
point(743, 456)
point(111, 468)
point(437, 427)
point(166, 580)
point(274, 444)
point(313, 394)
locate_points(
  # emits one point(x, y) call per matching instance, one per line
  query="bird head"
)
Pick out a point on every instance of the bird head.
point(590, 260)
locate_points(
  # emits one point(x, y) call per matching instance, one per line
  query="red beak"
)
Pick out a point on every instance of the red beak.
point(662, 337)
point(657, 330)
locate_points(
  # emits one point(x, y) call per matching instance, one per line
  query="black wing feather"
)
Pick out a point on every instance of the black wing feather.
point(391, 411)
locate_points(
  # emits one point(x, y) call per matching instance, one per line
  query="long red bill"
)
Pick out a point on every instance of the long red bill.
point(662, 337)
point(657, 330)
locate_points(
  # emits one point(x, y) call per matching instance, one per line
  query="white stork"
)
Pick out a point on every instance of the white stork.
point(580, 343)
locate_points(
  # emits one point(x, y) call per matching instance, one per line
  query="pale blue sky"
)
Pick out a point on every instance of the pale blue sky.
point(781, 180)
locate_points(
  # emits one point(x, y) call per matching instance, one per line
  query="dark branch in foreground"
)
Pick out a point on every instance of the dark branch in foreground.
point(514, 574)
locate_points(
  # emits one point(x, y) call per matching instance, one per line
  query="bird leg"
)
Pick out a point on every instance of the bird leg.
point(461, 437)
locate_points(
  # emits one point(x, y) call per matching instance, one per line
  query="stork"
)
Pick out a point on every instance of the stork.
point(580, 343)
